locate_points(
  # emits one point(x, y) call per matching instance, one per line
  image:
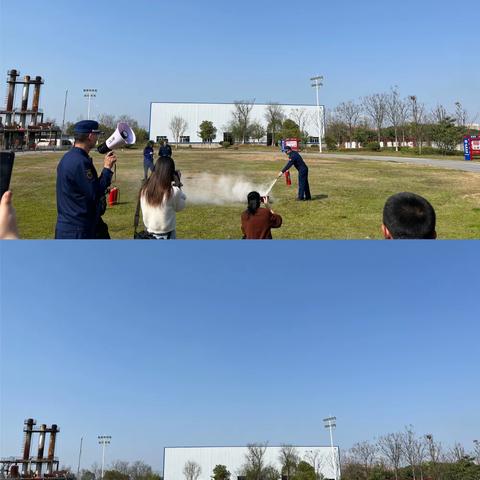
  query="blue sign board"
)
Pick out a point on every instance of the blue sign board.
point(466, 148)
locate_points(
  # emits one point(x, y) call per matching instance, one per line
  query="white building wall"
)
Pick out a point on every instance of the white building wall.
point(220, 114)
point(234, 459)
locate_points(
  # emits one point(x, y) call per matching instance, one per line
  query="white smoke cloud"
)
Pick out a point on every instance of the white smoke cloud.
point(206, 188)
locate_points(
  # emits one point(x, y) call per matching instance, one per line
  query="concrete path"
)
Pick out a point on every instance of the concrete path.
point(466, 166)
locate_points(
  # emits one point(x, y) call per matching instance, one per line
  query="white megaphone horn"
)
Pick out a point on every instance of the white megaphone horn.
point(122, 136)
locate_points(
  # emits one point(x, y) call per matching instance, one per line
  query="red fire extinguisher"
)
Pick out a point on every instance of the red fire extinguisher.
point(288, 180)
point(113, 196)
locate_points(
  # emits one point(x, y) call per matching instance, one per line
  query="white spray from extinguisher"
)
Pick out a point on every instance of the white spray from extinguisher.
point(270, 187)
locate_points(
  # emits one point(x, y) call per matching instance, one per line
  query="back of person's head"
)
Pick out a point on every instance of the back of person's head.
point(150, 143)
point(159, 184)
point(407, 215)
point(253, 202)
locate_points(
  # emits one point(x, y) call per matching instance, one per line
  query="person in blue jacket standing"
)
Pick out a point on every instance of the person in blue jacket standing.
point(80, 191)
point(148, 159)
point(165, 149)
point(296, 160)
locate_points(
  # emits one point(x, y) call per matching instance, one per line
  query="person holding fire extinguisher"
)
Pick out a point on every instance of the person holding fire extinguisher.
point(81, 192)
point(296, 160)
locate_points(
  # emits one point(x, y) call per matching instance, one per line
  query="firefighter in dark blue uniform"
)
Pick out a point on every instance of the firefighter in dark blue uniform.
point(148, 159)
point(80, 191)
point(296, 160)
point(165, 149)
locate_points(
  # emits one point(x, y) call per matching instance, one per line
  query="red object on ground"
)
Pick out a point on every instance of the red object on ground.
point(288, 180)
point(113, 196)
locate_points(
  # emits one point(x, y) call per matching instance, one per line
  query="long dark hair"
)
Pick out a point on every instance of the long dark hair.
point(253, 199)
point(159, 185)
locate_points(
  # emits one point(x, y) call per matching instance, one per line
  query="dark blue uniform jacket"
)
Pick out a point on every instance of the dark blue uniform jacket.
point(165, 151)
point(295, 160)
point(79, 194)
point(148, 155)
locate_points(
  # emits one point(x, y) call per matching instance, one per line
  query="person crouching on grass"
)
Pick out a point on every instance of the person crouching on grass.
point(408, 216)
point(257, 222)
point(160, 200)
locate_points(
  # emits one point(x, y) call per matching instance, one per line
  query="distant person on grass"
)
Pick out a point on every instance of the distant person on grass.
point(165, 149)
point(160, 199)
point(257, 222)
point(296, 160)
point(408, 216)
point(148, 159)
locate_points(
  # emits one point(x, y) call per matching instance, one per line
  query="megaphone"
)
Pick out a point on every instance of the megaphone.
point(122, 136)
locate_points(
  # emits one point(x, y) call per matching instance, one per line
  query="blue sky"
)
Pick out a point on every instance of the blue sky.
point(159, 50)
point(225, 343)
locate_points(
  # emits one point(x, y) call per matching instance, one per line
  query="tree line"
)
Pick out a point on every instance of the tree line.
point(387, 117)
point(407, 456)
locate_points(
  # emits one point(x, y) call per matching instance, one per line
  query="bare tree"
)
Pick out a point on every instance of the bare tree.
point(403, 110)
point(434, 451)
point(120, 465)
point(417, 112)
point(274, 115)
point(457, 452)
point(191, 470)
point(254, 466)
point(109, 121)
point(391, 447)
point(300, 116)
point(376, 107)
point(348, 113)
point(460, 114)
point(364, 453)
point(476, 451)
point(241, 114)
point(178, 125)
point(439, 113)
point(288, 458)
point(394, 112)
point(409, 447)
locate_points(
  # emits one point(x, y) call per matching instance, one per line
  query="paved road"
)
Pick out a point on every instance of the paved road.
point(466, 166)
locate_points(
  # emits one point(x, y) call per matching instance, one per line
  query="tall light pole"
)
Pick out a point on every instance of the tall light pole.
point(331, 423)
point(103, 440)
point(317, 83)
point(89, 93)
point(79, 458)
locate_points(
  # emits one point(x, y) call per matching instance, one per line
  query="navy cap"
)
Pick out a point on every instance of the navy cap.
point(288, 147)
point(86, 126)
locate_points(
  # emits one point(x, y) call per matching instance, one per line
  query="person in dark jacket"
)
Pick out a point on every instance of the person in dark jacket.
point(148, 159)
point(80, 191)
point(296, 160)
point(165, 149)
point(257, 222)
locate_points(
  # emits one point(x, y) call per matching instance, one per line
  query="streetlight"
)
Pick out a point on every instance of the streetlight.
point(331, 423)
point(103, 440)
point(89, 93)
point(317, 83)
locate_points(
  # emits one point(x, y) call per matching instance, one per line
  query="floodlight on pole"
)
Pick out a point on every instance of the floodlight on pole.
point(89, 93)
point(317, 83)
point(331, 423)
point(103, 440)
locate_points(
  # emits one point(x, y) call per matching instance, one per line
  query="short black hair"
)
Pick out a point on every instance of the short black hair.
point(409, 216)
point(80, 137)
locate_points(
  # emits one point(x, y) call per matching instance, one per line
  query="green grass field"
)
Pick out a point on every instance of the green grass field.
point(348, 195)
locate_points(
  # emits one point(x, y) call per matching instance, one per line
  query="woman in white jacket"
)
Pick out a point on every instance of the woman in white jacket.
point(160, 200)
